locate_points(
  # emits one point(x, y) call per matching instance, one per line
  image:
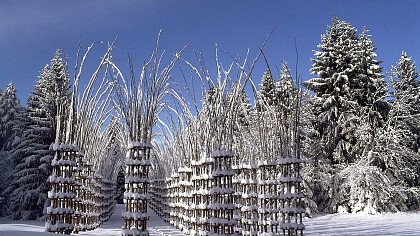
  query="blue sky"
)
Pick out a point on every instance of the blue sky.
point(30, 31)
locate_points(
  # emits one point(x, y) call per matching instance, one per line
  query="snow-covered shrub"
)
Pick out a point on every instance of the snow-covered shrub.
point(365, 188)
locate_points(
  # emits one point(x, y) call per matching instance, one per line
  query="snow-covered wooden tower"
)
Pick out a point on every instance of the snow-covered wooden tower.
point(79, 190)
point(202, 182)
point(184, 199)
point(291, 206)
point(268, 207)
point(247, 198)
point(158, 199)
point(173, 199)
point(222, 221)
point(62, 193)
point(136, 189)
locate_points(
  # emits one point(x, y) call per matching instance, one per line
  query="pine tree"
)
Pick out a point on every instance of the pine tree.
point(10, 108)
point(28, 188)
point(267, 92)
point(285, 91)
point(397, 152)
point(10, 131)
point(348, 109)
point(61, 86)
point(335, 67)
point(244, 110)
point(405, 112)
point(404, 76)
point(369, 84)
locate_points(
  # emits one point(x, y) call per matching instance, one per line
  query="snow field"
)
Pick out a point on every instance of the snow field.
point(331, 224)
point(362, 224)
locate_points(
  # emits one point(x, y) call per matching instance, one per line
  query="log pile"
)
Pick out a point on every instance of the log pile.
point(136, 189)
point(215, 197)
point(62, 194)
point(80, 199)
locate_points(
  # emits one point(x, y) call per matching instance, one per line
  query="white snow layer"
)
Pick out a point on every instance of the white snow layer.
point(156, 226)
point(331, 224)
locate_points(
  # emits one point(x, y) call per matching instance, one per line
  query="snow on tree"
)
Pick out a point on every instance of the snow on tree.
point(28, 188)
point(267, 92)
point(404, 116)
point(406, 84)
point(334, 67)
point(396, 149)
point(11, 112)
point(370, 84)
point(348, 108)
point(244, 111)
point(10, 108)
point(285, 90)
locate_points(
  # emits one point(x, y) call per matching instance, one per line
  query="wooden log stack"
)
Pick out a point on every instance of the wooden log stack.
point(136, 189)
point(245, 199)
point(62, 194)
point(291, 206)
point(185, 199)
point(222, 221)
point(247, 185)
point(268, 210)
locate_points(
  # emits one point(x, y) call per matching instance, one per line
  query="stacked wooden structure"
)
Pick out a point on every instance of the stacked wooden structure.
point(80, 200)
point(268, 198)
point(291, 206)
point(159, 198)
point(173, 200)
point(213, 197)
point(247, 198)
point(201, 182)
point(222, 221)
point(62, 194)
point(136, 189)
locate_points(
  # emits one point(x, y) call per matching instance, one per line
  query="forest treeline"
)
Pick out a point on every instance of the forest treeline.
point(359, 134)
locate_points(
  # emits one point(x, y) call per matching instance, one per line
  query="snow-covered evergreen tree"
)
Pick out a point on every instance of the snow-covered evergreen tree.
point(406, 93)
point(28, 188)
point(397, 148)
point(405, 112)
point(10, 132)
point(10, 108)
point(335, 69)
point(244, 110)
point(267, 91)
point(285, 91)
point(348, 109)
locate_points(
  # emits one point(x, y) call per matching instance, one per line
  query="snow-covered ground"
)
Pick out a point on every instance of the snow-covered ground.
point(362, 224)
point(110, 228)
point(334, 224)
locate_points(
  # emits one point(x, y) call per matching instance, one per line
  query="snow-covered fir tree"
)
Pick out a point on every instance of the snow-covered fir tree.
point(348, 108)
point(243, 109)
point(285, 91)
point(406, 93)
point(398, 149)
point(404, 118)
point(369, 189)
point(267, 91)
point(10, 108)
point(333, 68)
point(10, 132)
point(28, 188)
